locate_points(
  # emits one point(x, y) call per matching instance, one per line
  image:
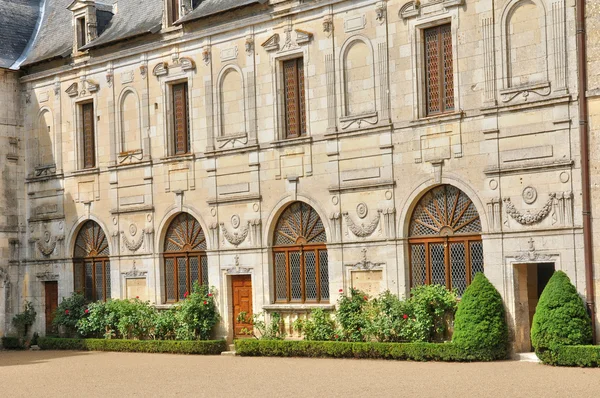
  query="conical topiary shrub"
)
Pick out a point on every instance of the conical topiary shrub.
point(560, 318)
point(480, 327)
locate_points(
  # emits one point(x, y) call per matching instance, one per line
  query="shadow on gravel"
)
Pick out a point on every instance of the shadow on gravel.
point(16, 358)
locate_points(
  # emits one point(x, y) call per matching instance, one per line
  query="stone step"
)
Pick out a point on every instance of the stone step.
point(228, 353)
point(526, 357)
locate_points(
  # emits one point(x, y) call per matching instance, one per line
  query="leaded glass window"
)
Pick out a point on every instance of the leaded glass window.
point(184, 255)
point(300, 256)
point(91, 263)
point(445, 240)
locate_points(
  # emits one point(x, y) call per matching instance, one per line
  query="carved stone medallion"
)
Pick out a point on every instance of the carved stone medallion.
point(529, 195)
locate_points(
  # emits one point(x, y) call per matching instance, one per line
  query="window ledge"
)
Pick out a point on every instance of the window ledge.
point(438, 118)
point(178, 158)
point(292, 141)
point(297, 307)
point(94, 170)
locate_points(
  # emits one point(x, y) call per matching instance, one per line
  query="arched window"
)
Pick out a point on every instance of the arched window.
point(445, 240)
point(184, 257)
point(300, 256)
point(91, 264)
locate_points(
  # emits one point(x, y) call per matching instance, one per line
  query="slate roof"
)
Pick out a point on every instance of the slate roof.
point(211, 7)
point(54, 38)
point(133, 18)
point(18, 19)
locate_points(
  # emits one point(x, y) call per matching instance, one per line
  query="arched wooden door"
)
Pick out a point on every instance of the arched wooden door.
point(300, 256)
point(91, 264)
point(184, 257)
point(445, 239)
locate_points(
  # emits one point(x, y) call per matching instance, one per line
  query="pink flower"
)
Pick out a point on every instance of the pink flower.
point(206, 302)
point(137, 297)
point(405, 316)
point(366, 298)
point(209, 294)
point(87, 311)
point(66, 312)
point(341, 290)
point(185, 294)
point(336, 336)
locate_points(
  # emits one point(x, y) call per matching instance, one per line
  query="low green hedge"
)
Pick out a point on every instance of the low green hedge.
point(12, 343)
point(587, 356)
point(210, 347)
point(446, 352)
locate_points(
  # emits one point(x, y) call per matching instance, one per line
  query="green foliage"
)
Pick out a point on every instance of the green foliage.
point(432, 306)
point(197, 315)
point(70, 311)
point(318, 327)
point(392, 319)
point(25, 319)
point(480, 325)
point(272, 330)
point(587, 356)
point(560, 318)
point(190, 319)
point(12, 343)
point(353, 316)
point(423, 317)
point(118, 319)
point(165, 324)
point(336, 349)
point(197, 347)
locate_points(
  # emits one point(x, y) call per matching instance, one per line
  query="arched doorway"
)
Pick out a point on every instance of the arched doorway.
point(91, 265)
point(445, 240)
point(300, 256)
point(184, 257)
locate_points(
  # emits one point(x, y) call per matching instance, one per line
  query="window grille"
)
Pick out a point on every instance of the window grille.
point(89, 143)
point(445, 240)
point(91, 263)
point(300, 256)
point(439, 74)
point(180, 119)
point(295, 101)
point(185, 259)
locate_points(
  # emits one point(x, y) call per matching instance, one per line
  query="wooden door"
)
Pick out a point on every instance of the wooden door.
point(242, 302)
point(51, 289)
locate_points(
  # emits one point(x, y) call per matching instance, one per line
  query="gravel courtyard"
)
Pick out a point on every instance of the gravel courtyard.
point(90, 374)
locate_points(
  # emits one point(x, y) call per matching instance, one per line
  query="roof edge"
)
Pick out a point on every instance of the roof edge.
point(36, 30)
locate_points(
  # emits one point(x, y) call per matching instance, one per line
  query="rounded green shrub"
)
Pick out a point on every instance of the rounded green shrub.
point(560, 318)
point(480, 328)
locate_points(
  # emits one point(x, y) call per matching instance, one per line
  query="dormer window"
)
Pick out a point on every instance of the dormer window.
point(81, 32)
point(174, 11)
point(88, 21)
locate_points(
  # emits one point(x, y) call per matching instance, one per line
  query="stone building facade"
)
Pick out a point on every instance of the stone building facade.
point(286, 151)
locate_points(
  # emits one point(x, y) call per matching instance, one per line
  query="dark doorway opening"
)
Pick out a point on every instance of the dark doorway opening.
point(530, 281)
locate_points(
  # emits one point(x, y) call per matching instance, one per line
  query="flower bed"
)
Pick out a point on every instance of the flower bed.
point(196, 347)
point(446, 352)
